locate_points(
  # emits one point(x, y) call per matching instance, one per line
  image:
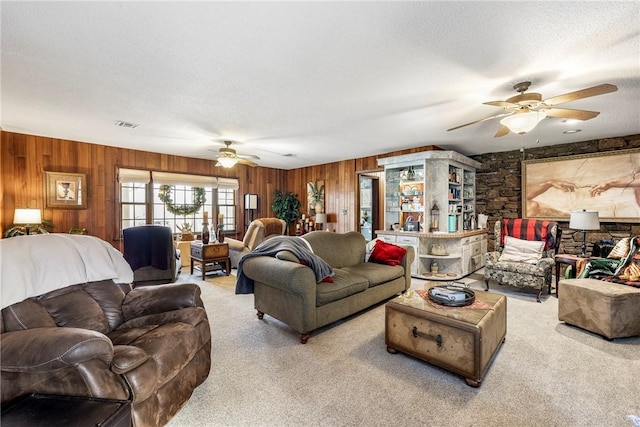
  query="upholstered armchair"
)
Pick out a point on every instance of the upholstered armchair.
point(524, 254)
point(258, 231)
point(152, 255)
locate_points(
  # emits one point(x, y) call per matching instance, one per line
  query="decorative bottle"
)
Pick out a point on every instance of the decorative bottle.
point(220, 234)
point(205, 233)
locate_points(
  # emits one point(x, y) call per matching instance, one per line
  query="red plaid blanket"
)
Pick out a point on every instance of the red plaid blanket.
point(529, 229)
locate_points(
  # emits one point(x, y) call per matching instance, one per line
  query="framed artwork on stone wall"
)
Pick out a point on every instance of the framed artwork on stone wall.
point(65, 190)
point(605, 182)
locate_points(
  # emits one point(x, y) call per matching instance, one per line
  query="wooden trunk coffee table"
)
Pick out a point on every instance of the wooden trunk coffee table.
point(209, 254)
point(463, 340)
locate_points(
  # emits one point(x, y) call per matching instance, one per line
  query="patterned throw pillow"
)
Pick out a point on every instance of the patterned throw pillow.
point(621, 249)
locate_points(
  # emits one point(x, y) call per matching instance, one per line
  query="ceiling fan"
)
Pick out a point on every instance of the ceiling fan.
point(227, 157)
point(525, 110)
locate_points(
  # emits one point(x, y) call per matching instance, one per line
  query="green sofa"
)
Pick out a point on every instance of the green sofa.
point(288, 290)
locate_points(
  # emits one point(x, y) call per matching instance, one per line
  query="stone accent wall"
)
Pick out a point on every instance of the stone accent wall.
point(499, 192)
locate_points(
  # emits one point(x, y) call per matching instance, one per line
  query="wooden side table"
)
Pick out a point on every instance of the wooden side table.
point(208, 254)
point(35, 410)
point(567, 259)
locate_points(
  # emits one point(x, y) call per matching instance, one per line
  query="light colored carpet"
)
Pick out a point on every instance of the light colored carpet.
point(546, 373)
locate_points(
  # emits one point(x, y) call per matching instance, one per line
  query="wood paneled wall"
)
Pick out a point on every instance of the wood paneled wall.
point(24, 158)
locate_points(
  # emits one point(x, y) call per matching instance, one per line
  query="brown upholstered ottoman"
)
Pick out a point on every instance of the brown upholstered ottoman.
point(608, 309)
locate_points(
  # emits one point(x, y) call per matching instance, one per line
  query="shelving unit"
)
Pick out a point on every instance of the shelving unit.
point(413, 183)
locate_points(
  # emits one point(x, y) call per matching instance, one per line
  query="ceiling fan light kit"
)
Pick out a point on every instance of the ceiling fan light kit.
point(227, 162)
point(522, 123)
point(228, 158)
point(523, 112)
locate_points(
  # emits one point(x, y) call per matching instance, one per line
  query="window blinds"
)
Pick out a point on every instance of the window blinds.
point(167, 178)
point(228, 183)
point(134, 176)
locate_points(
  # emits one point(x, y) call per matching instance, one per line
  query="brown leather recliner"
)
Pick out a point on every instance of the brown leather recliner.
point(151, 345)
point(72, 325)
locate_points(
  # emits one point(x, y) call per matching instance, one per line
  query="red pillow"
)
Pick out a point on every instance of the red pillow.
point(386, 253)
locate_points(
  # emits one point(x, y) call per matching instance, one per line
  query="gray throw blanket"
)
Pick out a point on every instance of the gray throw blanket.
point(275, 244)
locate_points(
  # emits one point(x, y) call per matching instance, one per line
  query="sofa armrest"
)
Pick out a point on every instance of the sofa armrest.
point(286, 275)
point(127, 358)
point(146, 300)
point(492, 257)
point(546, 262)
point(46, 349)
point(407, 260)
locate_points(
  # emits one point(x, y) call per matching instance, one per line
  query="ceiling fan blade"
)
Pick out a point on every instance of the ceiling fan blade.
point(502, 104)
point(502, 131)
point(248, 156)
point(566, 113)
point(247, 162)
point(481, 120)
point(579, 94)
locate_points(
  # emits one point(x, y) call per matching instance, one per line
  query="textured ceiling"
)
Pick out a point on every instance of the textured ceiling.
point(324, 81)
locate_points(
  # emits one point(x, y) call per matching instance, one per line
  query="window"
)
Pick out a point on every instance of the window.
point(227, 207)
point(181, 194)
point(140, 201)
point(133, 204)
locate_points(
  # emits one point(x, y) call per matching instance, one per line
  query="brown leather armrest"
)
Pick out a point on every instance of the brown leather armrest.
point(46, 349)
point(147, 300)
point(127, 358)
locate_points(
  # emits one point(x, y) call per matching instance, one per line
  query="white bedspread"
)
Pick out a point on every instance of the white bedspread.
point(36, 264)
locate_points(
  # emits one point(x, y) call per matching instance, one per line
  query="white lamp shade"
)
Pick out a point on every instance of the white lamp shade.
point(584, 220)
point(251, 201)
point(523, 122)
point(321, 218)
point(227, 162)
point(27, 216)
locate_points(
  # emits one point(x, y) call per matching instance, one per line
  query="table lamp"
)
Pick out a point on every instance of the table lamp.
point(321, 218)
point(27, 217)
point(584, 220)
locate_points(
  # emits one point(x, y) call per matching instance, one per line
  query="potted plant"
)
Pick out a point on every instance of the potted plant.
point(286, 206)
point(20, 230)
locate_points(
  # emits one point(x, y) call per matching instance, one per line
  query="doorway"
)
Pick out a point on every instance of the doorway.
point(368, 205)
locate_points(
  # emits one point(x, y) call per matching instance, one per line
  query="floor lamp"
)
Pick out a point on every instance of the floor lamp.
point(584, 220)
point(250, 206)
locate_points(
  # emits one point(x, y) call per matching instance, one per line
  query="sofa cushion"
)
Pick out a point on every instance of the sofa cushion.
point(344, 284)
point(519, 267)
point(375, 273)
point(337, 249)
point(387, 253)
point(73, 307)
point(26, 314)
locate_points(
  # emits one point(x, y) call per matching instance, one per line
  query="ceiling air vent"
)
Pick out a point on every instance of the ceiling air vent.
point(289, 155)
point(128, 125)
